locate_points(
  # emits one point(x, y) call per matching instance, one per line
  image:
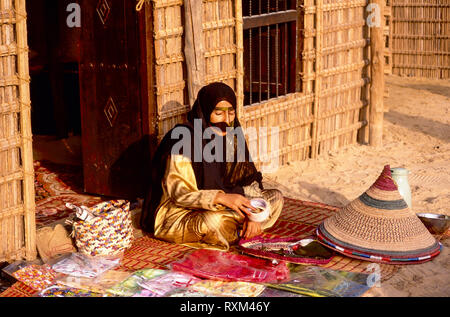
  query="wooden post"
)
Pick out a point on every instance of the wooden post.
point(195, 57)
point(315, 144)
point(25, 124)
point(376, 112)
point(240, 62)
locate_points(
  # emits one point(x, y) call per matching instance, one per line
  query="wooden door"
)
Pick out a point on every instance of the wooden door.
point(115, 143)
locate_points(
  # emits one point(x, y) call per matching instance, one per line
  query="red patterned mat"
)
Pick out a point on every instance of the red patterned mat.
point(19, 289)
point(55, 185)
point(298, 219)
point(147, 252)
point(53, 179)
point(52, 209)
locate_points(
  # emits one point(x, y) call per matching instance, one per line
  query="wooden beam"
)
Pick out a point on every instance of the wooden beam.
point(318, 80)
point(376, 112)
point(25, 124)
point(194, 53)
point(266, 19)
point(239, 89)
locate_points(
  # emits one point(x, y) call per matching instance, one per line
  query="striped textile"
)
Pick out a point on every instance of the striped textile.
point(419, 258)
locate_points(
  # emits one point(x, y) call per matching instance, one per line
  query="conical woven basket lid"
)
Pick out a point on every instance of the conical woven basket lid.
point(379, 226)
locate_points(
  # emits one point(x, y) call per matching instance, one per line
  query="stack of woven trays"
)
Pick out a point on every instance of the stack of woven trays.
point(379, 226)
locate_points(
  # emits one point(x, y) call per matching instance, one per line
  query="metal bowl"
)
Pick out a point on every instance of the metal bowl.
point(436, 224)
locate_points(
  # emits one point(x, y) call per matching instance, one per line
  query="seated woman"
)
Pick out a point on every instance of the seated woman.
point(200, 202)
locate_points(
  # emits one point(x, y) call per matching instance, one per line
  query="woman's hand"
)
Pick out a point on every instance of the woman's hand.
point(237, 202)
point(251, 229)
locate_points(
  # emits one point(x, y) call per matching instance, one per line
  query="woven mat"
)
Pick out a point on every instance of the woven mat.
point(53, 179)
point(298, 219)
point(18, 289)
point(55, 185)
point(53, 209)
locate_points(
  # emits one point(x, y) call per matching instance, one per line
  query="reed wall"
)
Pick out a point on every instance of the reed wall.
point(421, 38)
point(17, 222)
point(326, 114)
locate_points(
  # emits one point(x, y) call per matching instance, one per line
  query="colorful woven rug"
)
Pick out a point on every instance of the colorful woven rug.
point(56, 185)
point(298, 219)
point(52, 209)
point(53, 179)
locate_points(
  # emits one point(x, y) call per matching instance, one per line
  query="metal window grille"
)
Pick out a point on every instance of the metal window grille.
point(270, 49)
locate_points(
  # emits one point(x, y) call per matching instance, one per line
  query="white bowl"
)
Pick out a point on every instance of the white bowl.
point(262, 205)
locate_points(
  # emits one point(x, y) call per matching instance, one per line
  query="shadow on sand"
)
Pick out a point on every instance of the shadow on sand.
point(320, 194)
point(437, 89)
point(427, 126)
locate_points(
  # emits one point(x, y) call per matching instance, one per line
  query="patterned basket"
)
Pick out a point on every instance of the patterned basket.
point(110, 233)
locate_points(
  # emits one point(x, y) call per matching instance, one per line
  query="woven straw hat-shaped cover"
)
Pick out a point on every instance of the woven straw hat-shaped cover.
point(379, 226)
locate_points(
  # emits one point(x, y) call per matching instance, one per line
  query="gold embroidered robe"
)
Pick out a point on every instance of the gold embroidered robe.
point(188, 216)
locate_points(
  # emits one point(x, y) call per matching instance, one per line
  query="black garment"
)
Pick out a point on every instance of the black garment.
point(230, 177)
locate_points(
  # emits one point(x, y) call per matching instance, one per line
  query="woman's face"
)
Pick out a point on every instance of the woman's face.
point(223, 112)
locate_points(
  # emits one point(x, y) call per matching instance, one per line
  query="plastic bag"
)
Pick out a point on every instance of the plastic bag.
point(167, 282)
point(322, 282)
point(225, 266)
point(96, 285)
point(228, 289)
point(38, 277)
point(17, 265)
point(80, 265)
point(62, 291)
point(130, 286)
point(187, 292)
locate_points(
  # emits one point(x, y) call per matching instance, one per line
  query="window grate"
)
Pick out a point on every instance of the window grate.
point(270, 37)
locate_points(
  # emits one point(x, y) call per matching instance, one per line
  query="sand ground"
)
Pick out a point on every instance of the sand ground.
point(416, 136)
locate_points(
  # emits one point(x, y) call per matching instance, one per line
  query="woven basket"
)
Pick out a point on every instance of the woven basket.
point(108, 234)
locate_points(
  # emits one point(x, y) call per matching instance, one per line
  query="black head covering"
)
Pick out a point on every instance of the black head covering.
point(227, 176)
point(207, 99)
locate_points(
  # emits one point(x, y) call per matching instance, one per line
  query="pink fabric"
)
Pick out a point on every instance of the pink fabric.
point(384, 181)
point(226, 266)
